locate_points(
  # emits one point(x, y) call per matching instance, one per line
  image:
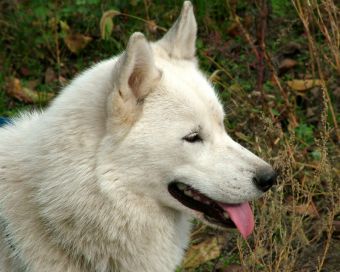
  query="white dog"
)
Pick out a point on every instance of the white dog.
point(110, 175)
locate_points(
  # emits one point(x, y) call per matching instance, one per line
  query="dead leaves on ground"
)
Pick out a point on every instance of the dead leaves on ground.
point(75, 42)
point(301, 85)
point(303, 209)
point(287, 64)
point(25, 94)
point(203, 252)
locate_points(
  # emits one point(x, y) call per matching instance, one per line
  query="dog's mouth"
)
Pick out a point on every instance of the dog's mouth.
point(215, 212)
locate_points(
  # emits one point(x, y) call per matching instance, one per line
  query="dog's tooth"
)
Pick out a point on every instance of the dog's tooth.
point(226, 215)
point(196, 197)
point(188, 193)
point(181, 186)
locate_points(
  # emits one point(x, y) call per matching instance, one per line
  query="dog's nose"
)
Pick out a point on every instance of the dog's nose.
point(265, 179)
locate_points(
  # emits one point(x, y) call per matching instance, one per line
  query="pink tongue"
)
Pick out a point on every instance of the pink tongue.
point(242, 217)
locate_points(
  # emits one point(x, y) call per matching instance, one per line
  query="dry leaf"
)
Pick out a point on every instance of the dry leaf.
point(233, 30)
point(304, 84)
point(232, 268)
point(32, 84)
point(203, 252)
point(152, 26)
point(16, 90)
point(62, 81)
point(336, 226)
point(214, 77)
point(50, 75)
point(25, 71)
point(287, 64)
point(106, 23)
point(303, 209)
point(242, 136)
point(64, 27)
point(291, 48)
point(76, 42)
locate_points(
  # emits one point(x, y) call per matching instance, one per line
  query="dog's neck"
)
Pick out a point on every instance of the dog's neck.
point(94, 234)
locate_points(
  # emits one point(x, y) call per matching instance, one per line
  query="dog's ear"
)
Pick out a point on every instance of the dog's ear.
point(180, 40)
point(135, 75)
point(136, 71)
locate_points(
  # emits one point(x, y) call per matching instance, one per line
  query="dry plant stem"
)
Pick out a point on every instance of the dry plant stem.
point(331, 214)
point(260, 35)
point(146, 6)
point(333, 36)
point(223, 249)
point(328, 240)
point(304, 17)
point(246, 35)
point(141, 19)
point(57, 49)
point(265, 55)
point(220, 67)
point(277, 80)
point(240, 250)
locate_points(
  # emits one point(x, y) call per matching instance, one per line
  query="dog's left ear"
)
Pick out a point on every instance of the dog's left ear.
point(180, 40)
point(136, 69)
point(135, 76)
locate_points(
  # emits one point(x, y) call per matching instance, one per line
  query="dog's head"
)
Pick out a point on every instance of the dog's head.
point(166, 137)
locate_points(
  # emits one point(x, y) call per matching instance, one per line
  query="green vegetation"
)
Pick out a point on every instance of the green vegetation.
point(281, 101)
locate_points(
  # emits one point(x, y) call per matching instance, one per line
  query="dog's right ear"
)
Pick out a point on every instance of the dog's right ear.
point(135, 75)
point(180, 41)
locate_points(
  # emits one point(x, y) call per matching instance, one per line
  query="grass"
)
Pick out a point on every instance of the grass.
point(297, 131)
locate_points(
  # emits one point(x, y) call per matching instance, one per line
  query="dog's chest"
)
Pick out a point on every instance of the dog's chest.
point(157, 247)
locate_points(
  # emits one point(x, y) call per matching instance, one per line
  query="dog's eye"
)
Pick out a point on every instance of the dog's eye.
point(193, 138)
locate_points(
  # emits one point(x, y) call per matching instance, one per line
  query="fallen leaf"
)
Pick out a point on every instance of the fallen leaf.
point(50, 75)
point(336, 226)
point(311, 111)
point(16, 90)
point(25, 71)
point(106, 23)
point(304, 209)
point(76, 42)
point(64, 27)
point(62, 81)
point(152, 26)
point(235, 88)
point(336, 92)
point(233, 30)
point(290, 49)
point(242, 136)
point(304, 84)
point(287, 64)
point(203, 252)
point(32, 84)
point(232, 268)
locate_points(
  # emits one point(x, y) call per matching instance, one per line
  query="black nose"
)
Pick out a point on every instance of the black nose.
point(265, 179)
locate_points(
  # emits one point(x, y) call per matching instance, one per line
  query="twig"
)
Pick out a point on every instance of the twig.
point(313, 53)
point(328, 241)
point(141, 19)
point(260, 54)
point(276, 79)
point(260, 35)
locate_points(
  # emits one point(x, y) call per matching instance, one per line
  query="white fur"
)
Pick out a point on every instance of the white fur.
point(83, 185)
